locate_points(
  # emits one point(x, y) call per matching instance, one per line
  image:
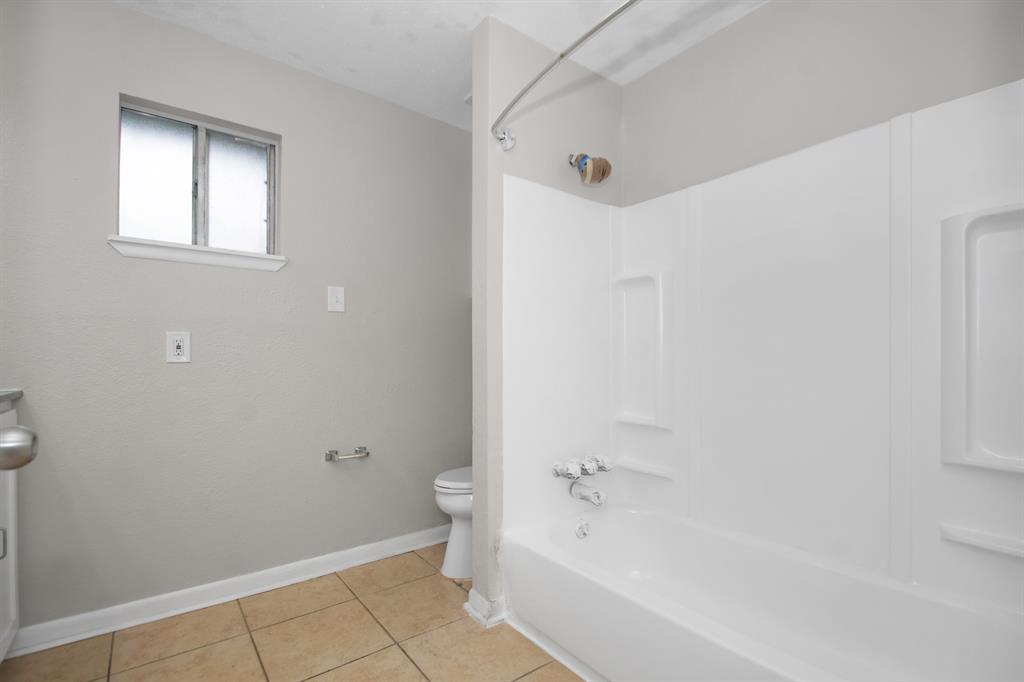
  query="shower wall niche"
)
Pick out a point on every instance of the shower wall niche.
point(983, 334)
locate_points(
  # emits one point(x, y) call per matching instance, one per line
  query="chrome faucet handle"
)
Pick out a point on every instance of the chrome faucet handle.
point(592, 464)
point(571, 469)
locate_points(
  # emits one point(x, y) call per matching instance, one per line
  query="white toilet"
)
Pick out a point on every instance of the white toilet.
point(453, 491)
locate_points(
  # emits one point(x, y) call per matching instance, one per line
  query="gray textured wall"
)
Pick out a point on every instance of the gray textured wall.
point(798, 72)
point(573, 110)
point(153, 477)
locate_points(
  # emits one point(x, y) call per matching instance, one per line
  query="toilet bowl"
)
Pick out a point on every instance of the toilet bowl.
point(453, 491)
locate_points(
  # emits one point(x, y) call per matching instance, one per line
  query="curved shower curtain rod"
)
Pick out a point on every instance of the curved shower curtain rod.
point(504, 135)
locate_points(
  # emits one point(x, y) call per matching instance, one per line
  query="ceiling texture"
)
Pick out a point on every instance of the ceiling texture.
point(417, 53)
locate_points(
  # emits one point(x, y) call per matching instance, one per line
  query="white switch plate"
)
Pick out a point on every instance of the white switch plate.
point(335, 299)
point(179, 346)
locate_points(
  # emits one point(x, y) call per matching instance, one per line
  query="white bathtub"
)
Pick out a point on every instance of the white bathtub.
point(708, 605)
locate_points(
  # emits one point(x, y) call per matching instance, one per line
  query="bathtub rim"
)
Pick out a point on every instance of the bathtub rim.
point(539, 538)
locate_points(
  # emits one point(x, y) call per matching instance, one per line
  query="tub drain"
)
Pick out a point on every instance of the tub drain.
point(582, 529)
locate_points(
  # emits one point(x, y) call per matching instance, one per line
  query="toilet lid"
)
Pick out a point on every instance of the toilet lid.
point(456, 479)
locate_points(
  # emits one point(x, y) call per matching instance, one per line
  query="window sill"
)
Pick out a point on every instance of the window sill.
point(133, 247)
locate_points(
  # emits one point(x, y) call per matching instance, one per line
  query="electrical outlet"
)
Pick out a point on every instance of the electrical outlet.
point(335, 299)
point(179, 346)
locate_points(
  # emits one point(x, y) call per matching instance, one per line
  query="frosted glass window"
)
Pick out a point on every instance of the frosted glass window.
point(237, 196)
point(189, 179)
point(156, 178)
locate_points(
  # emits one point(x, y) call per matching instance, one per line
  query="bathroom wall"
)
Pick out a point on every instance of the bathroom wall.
point(549, 126)
point(798, 72)
point(154, 477)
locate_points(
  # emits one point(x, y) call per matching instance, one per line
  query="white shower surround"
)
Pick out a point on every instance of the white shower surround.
point(761, 356)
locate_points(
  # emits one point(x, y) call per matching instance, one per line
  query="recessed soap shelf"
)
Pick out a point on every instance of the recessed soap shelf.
point(982, 337)
point(635, 465)
point(1001, 544)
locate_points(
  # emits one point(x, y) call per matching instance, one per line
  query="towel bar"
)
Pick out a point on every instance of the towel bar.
point(333, 456)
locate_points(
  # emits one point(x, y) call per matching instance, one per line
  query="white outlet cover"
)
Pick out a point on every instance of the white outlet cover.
point(335, 299)
point(179, 346)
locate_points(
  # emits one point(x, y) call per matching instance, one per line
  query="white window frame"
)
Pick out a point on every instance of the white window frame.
point(199, 251)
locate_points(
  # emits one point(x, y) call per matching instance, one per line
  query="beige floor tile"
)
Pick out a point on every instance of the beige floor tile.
point(281, 604)
point(552, 672)
point(76, 662)
point(390, 665)
point(465, 650)
point(160, 639)
point(380, 575)
point(314, 643)
point(234, 660)
point(467, 585)
point(416, 607)
point(433, 555)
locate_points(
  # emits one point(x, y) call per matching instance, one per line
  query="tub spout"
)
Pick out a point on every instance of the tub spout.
point(582, 491)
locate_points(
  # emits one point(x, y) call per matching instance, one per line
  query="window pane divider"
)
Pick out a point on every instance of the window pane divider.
point(202, 180)
point(272, 199)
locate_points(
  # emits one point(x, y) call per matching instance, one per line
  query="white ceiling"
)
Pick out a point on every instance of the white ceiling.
point(417, 53)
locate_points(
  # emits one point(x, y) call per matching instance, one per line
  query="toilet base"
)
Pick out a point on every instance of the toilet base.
point(458, 556)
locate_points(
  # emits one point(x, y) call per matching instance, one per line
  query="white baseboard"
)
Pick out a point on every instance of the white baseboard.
point(557, 652)
point(99, 622)
point(484, 611)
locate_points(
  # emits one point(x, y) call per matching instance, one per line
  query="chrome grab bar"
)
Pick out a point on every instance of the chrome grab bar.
point(333, 456)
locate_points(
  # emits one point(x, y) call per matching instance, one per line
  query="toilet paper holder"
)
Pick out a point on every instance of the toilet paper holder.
point(333, 456)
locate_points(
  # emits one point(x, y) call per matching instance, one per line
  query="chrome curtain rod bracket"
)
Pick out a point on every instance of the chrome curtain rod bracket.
point(504, 135)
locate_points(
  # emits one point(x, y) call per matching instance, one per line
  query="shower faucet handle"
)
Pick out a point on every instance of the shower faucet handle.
point(592, 464)
point(571, 468)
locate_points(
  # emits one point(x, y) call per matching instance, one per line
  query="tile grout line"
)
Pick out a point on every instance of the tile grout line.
point(252, 640)
point(438, 627)
point(258, 657)
point(110, 658)
point(530, 672)
point(179, 653)
point(397, 643)
point(432, 629)
point(412, 660)
point(355, 597)
point(436, 571)
point(309, 613)
point(111, 672)
point(409, 582)
point(324, 672)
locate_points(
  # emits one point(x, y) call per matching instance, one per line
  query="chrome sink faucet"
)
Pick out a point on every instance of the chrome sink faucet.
point(574, 468)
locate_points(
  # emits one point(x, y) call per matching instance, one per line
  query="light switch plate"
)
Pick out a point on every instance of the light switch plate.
point(335, 299)
point(179, 346)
